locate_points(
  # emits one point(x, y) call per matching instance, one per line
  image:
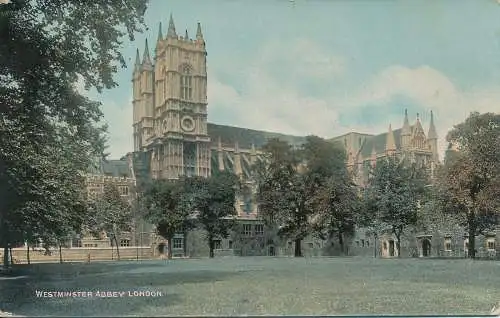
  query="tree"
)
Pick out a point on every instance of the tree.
point(111, 214)
point(395, 192)
point(212, 200)
point(166, 208)
point(335, 198)
point(470, 179)
point(282, 192)
point(42, 115)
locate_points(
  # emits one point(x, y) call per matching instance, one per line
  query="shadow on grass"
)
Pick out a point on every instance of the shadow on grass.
point(19, 296)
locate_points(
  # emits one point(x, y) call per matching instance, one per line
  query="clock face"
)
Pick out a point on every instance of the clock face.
point(187, 123)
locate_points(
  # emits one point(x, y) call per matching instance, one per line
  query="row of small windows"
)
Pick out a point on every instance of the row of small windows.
point(363, 243)
point(247, 229)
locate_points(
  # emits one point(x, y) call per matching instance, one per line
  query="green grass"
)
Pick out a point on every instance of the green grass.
point(262, 286)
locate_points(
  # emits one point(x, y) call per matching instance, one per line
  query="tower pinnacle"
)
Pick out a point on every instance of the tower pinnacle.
point(199, 34)
point(390, 144)
point(186, 36)
point(146, 59)
point(432, 129)
point(160, 34)
point(137, 64)
point(406, 125)
point(171, 28)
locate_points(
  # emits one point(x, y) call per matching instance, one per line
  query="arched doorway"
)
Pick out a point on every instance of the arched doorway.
point(426, 248)
point(271, 251)
point(162, 248)
point(391, 248)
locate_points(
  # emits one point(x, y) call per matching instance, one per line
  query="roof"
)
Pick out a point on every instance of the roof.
point(112, 168)
point(378, 141)
point(229, 135)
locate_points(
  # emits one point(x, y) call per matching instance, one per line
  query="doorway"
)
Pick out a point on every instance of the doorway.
point(391, 248)
point(426, 248)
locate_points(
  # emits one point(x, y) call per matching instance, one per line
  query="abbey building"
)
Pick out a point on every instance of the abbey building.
point(172, 137)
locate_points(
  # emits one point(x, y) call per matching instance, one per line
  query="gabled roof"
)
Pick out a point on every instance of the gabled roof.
point(378, 142)
point(229, 135)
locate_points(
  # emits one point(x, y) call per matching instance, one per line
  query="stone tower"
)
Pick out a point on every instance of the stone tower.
point(170, 105)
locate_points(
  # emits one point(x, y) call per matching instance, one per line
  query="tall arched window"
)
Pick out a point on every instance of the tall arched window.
point(186, 82)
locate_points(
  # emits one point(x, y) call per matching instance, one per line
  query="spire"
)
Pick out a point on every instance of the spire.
point(405, 131)
point(390, 144)
point(171, 28)
point(160, 34)
point(137, 61)
point(199, 35)
point(418, 125)
point(432, 129)
point(186, 36)
point(146, 59)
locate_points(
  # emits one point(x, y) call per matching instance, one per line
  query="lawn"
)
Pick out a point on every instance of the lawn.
point(260, 286)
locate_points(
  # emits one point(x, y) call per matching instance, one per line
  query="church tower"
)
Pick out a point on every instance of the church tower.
point(432, 139)
point(175, 126)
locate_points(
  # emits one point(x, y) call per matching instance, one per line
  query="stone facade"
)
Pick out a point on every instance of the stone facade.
point(172, 138)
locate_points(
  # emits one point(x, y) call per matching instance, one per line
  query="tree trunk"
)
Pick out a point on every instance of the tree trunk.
point(169, 248)
point(298, 248)
point(472, 238)
point(341, 242)
point(28, 253)
point(60, 254)
point(398, 244)
point(111, 243)
point(6, 257)
point(211, 246)
point(117, 249)
point(11, 256)
point(375, 246)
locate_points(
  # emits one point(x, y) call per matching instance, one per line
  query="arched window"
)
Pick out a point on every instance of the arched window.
point(186, 82)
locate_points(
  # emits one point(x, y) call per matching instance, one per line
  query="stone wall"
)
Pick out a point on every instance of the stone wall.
point(81, 254)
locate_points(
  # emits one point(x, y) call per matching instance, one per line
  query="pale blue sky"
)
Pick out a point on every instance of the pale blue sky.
point(329, 66)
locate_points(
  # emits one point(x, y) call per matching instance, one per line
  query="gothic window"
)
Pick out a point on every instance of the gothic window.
point(177, 243)
point(124, 243)
point(186, 82)
point(259, 229)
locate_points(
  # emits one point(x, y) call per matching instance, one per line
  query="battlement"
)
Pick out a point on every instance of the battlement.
point(108, 179)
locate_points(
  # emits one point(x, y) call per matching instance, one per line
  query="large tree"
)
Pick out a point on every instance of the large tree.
point(212, 201)
point(283, 193)
point(47, 129)
point(334, 196)
point(167, 207)
point(109, 213)
point(470, 179)
point(394, 193)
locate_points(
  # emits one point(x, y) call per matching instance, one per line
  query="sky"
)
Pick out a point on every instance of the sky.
point(328, 67)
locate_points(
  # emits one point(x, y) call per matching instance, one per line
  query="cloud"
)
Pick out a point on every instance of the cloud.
point(432, 90)
point(119, 119)
point(271, 102)
point(275, 102)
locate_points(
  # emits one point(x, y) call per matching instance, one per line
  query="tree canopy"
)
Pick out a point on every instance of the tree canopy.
point(49, 132)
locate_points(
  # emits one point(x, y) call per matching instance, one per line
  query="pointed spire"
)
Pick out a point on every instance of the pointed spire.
point(137, 60)
point(186, 36)
point(406, 125)
point(171, 28)
point(146, 59)
point(199, 35)
point(219, 144)
point(432, 129)
point(418, 125)
point(390, 143)
point(160, 34)
point(236, 147)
